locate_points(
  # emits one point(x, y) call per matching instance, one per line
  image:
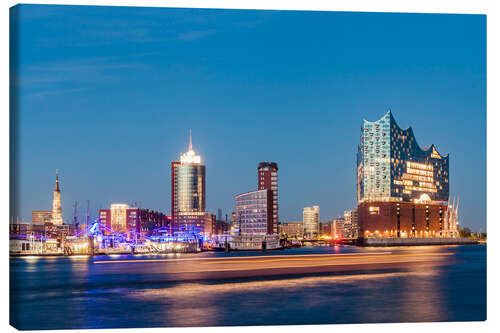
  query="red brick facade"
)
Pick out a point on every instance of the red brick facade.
point(267, 179)
point(138, 220)
point(400, 219)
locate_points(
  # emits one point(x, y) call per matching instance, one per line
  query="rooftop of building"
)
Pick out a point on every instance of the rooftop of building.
point(190, 156)
point(250, 192)
point(430, 149)
point(273, 165)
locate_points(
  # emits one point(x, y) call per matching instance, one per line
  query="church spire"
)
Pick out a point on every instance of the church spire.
point(56, 204)
point(57, 181)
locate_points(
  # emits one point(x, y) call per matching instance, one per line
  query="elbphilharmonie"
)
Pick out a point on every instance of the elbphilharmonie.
point(402, 189)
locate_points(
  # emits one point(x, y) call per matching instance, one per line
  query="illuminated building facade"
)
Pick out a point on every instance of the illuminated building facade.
point(310, 220)
point(119, 217)
point(125, 219)
point(292, 229)
point(36, 238)
point(340, 228)
point(57, 218)
point(351, 222)
point(254, 213)
point(402, 189)
point(188, 193)
point(268, 180)
point(393, 167)
point(41, 216)
point(149, 220)
point(401, 219)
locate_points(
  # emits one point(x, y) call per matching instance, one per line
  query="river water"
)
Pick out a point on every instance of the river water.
point(74, 292)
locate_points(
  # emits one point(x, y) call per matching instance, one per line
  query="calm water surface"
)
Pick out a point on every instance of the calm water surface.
point(74, 292)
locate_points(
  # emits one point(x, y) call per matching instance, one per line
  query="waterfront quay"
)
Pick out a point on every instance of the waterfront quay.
point(94, 242)
point(417, 241)
point(308, 285)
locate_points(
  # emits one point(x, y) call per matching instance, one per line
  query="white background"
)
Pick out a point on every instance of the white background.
point(491, 8)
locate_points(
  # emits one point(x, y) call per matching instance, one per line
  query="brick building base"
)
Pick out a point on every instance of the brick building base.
point(400, 219)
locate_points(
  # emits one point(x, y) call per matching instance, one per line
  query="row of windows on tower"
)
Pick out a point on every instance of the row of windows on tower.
point(383, 143)
point(377, 137)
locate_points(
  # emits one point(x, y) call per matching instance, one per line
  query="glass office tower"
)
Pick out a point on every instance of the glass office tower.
point(402, 189)
point(393, 167)
point(188, 193)
point(254, 213)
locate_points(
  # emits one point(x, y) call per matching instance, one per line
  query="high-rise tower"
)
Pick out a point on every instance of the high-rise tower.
point(56, 204)
point(402, 189)
point(188, 192)
point(268, 180)
point(310, 220)
point(393, 167)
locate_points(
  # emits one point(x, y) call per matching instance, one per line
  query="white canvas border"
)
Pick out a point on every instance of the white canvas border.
point(423, 6)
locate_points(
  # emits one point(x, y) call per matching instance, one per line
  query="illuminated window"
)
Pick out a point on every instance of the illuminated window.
point(374, 210)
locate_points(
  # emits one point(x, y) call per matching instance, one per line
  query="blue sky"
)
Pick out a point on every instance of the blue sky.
point(108, 94)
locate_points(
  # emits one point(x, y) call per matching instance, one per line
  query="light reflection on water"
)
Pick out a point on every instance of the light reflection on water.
point(67, 288)
point(288, 285)
point(320, 292)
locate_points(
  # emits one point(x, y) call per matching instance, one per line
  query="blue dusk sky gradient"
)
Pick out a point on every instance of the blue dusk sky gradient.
point(107, 95)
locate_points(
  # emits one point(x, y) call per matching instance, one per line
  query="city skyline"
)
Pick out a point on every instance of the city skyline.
point(312, 115)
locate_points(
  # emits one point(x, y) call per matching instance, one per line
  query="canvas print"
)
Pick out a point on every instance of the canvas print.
point(216, 167)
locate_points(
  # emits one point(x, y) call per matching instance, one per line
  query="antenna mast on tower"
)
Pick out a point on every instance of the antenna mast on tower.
point(190, 141)
point(75, 213)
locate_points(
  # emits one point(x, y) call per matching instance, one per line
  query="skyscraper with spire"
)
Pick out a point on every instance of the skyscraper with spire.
point(188, 192)
point(56, 204)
